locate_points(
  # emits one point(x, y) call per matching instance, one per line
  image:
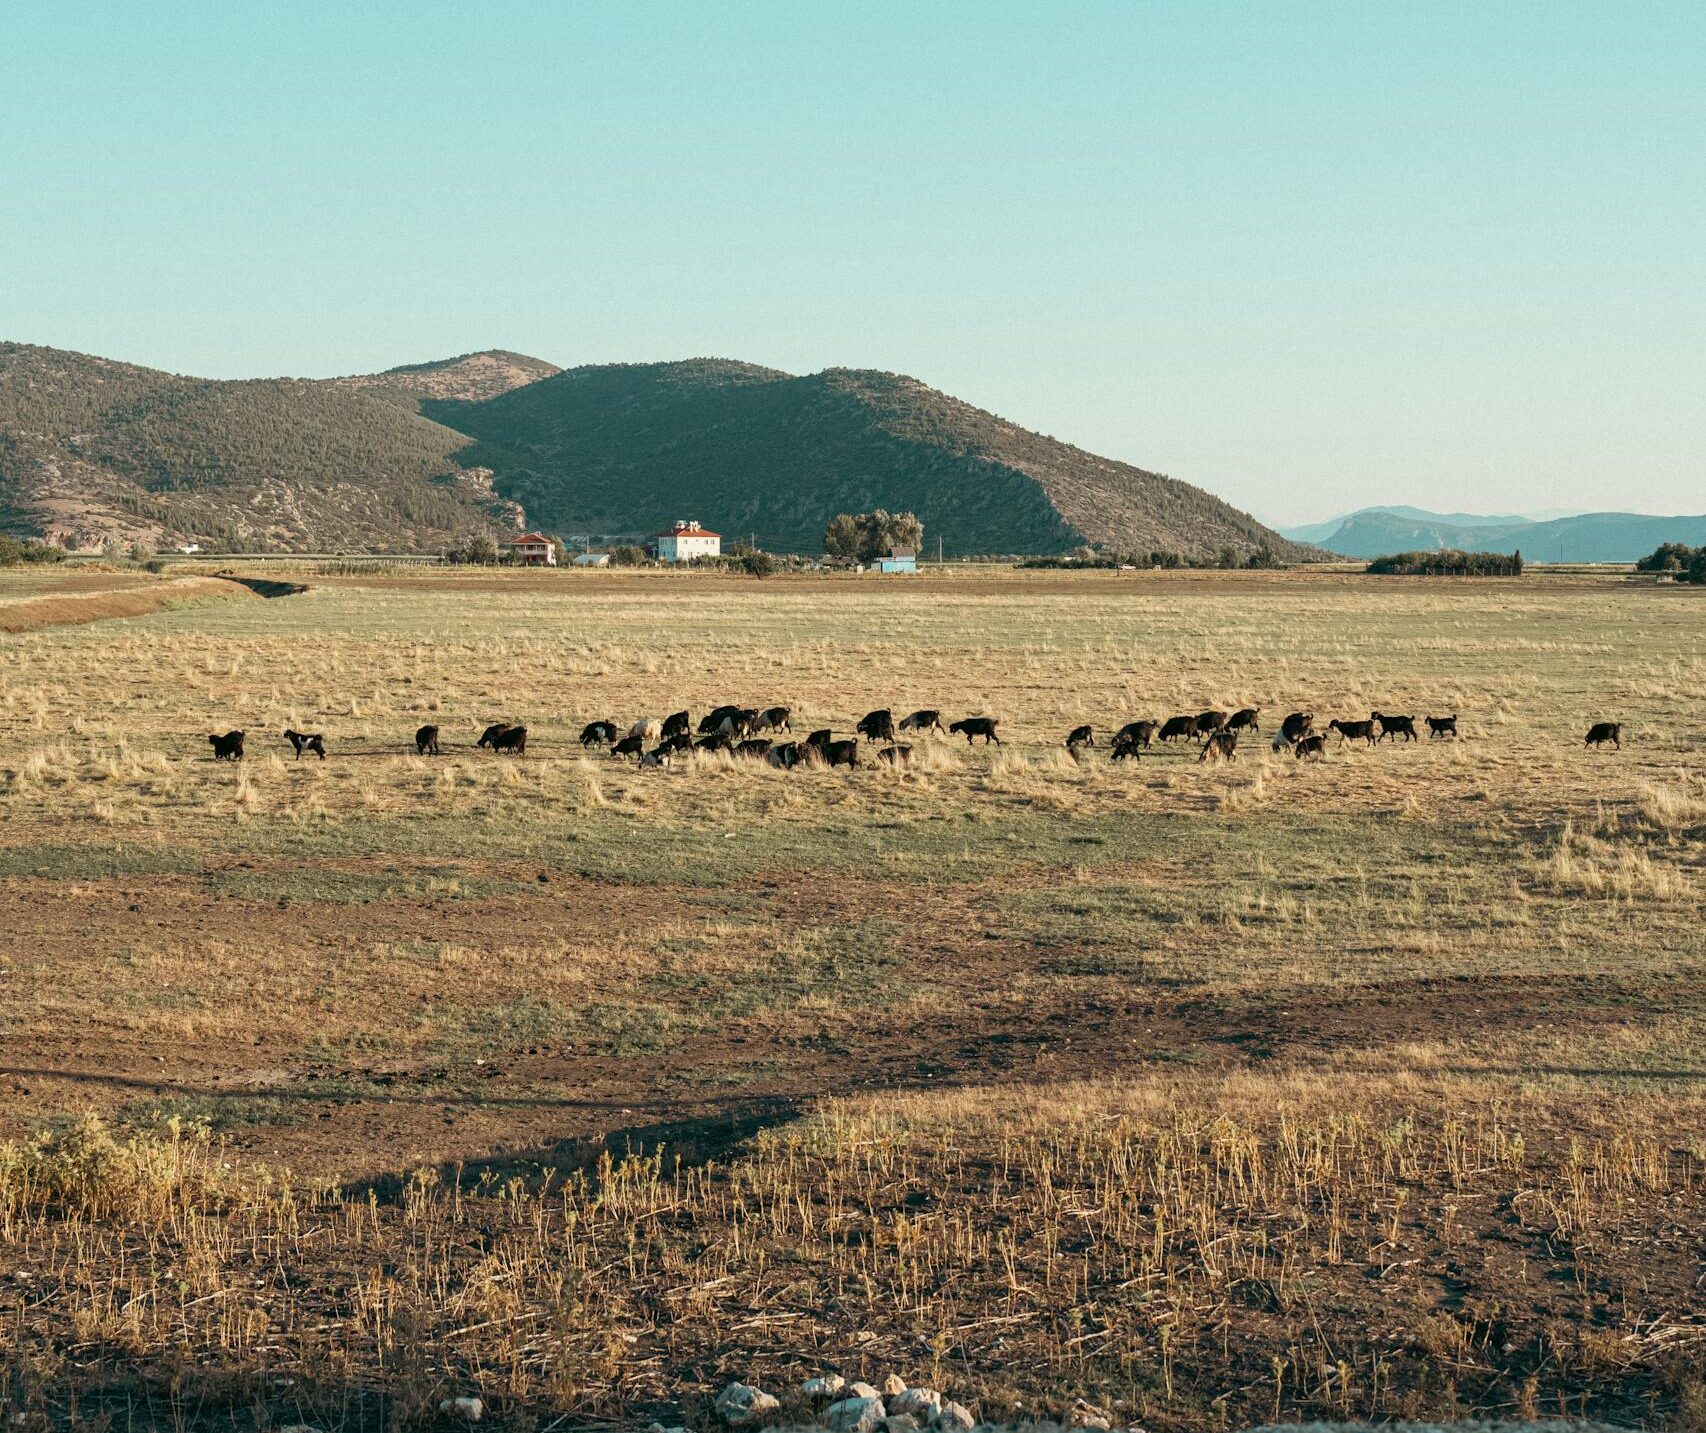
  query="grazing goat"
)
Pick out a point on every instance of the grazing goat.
point(1208, 723)
point(1080, 736)
point(819, 739)
point(1349, 729)
point(676, 724)
point(306, 741)
point(900, 755)
point(715, 718)
point(1245, 719)
point(598, 733)
point(1296, 725)
point(1137, 733)
point(1442, 726)
point(512, 739)
point(716, 741)
point(489, 737)
point(1220, 746)
point(1179, 728)
point(877, 726)
point(842, 753)
point(426, 741)
point(759, 747)
point(1394, 726)
point(228, 747)
point(774, 719)
point(629, 746)
point(923, 720)
point(976, 726)
point(1598, 734)
point(1315, 746)
point(647, 728)
point(786, 755)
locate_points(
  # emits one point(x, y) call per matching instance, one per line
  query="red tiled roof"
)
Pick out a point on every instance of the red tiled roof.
point(687, 532)
point(528, 539)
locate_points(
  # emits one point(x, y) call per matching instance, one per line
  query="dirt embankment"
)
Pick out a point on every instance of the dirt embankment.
point(62, 609)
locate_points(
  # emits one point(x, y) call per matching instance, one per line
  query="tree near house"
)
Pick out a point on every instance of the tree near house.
point(1685, 563)
point(866, 536)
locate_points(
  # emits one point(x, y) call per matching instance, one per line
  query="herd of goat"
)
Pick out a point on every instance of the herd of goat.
point(737, 730)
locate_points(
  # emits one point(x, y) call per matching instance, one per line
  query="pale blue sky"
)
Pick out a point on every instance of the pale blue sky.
point(1306, 255)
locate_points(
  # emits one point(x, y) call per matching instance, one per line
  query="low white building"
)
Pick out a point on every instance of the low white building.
point(684, 541)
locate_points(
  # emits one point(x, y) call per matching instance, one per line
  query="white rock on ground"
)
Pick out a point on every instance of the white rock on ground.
point(1087, 1415)
point(900, 1423)
point(740, 1404)
point(470, 1408)
point(921, 1403)
point(824, 1386)
point(953, 1415)
point(893, 1384)
point(855, 1415)
point(862, 1390)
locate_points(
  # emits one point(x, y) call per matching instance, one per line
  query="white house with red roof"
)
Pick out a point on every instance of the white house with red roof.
point(684, 541)
point(533, 550)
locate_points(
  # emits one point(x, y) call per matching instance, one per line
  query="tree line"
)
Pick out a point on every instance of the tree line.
point(1678, 559)
point(1449, 562)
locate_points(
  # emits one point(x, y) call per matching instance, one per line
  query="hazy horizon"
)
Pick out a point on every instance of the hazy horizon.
point(1311, 260)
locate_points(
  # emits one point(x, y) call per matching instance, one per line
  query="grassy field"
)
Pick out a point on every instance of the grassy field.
point(1365, 1086)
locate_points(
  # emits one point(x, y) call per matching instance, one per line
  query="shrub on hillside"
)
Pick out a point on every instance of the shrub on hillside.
point(14, 551)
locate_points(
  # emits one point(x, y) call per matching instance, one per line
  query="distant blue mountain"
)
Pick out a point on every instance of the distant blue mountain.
point(1319, 531)
point(1584, 537)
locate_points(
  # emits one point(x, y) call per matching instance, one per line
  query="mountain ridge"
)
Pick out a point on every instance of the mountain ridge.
point(1611, 536)
point(93, 449)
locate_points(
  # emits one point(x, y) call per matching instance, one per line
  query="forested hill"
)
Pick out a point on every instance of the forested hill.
point(418, 456)
point(619, 448)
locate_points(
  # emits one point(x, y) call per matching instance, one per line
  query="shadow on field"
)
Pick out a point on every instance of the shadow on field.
point(689, 1142)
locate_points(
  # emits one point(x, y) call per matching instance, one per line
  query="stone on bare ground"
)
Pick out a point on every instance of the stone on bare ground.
point(952, 1415)
point(826, 1385)
point(855, 1415)
point(741, 1404)
point(921, 1403)
point(893, 1384)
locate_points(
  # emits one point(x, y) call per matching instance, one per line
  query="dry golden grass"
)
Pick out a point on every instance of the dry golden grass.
point(1018, 1248)
point(1193, 1071)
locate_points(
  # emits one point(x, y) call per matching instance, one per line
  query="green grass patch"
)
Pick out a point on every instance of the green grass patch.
point(93, 863)
point(218, 1114)
point(309, 883)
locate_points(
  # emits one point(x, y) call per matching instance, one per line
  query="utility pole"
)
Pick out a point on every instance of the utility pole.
point(938, 549)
